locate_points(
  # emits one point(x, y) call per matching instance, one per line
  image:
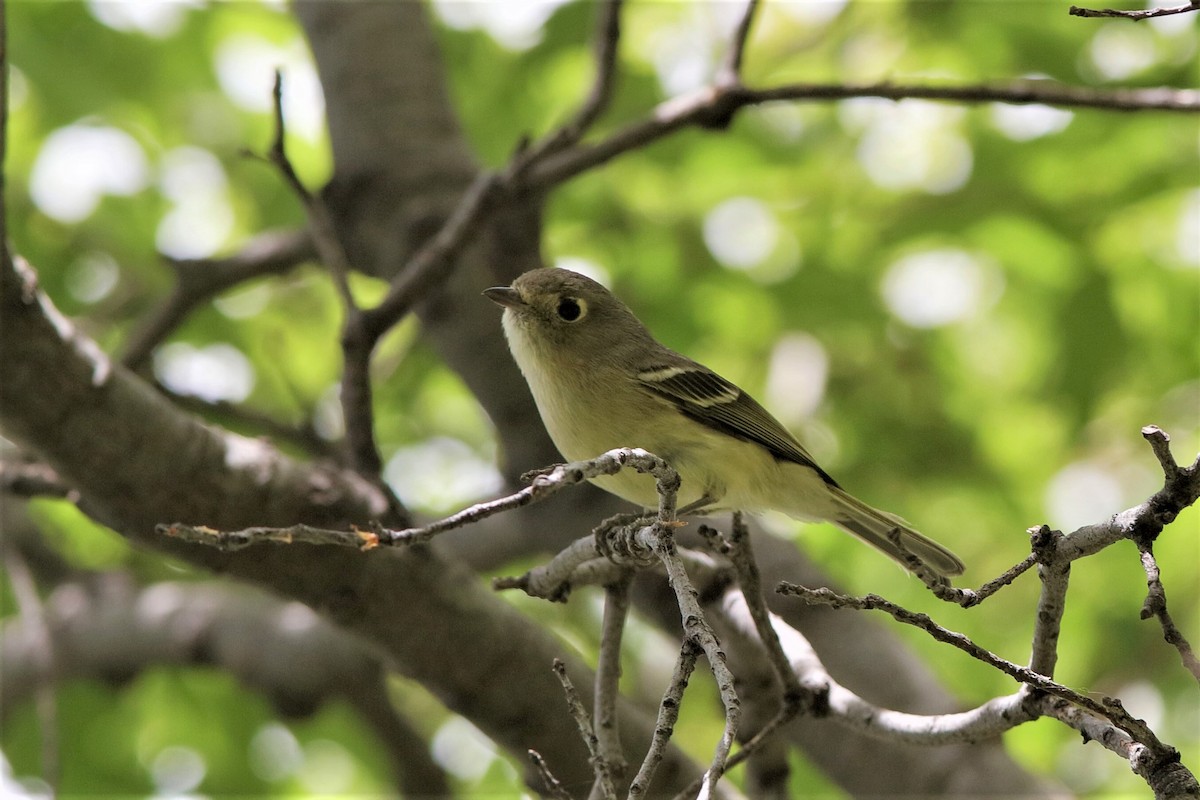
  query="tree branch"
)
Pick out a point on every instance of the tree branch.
point(730, 71)
point(57, 389)
point(428, 266)
point(552, 785)
point(320, 223)
point(251, 422)
point(608, 676)
point(709, 106)
point(358, 412)
point(199, 280)
point(604, 46)
point(1106, 709)
point(668, 715)
point(108, 629)
point(1135, 15)
point(587, 732)
point(1155, 605)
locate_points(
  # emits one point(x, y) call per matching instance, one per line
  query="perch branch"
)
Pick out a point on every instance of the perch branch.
point(545, 484)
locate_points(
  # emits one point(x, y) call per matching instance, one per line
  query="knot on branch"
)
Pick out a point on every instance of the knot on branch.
point(620, 539)
point(1044, 541)
point(1165, 772)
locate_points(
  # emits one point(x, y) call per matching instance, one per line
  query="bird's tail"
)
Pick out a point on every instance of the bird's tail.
point(875, 528)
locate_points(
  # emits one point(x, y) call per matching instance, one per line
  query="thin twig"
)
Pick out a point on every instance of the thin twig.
point(426, 268)
point(1135, 15)
point(1160, 443)
point(545, 484)
point(319, 220)
point(605, 41)
point(553, 785)
point(1109, 709)
point(668, 715)
point(970, 598)
point(741, 555)
point(697, 629)
point(707, 106)
point(730, 72)
point(587, 731)
point(232, 541)
point(608, 676)
point(357, 344)
point(1155, 605)
point(796, 697)
point(199, 280)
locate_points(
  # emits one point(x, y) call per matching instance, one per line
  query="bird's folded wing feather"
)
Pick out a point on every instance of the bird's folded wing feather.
point(709, 399)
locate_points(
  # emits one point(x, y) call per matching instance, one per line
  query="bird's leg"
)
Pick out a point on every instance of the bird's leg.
point(696, 506)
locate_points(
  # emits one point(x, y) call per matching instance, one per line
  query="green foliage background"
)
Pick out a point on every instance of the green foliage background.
point(1084, 238)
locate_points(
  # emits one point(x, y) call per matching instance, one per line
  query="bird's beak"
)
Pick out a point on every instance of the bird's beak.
point(504, 296)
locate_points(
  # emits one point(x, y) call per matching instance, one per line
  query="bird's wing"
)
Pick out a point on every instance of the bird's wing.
point(707, 398)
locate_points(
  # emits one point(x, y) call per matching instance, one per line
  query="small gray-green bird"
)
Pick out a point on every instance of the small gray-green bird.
point(602, 381)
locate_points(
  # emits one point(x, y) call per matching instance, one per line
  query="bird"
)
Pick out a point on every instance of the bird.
point(602, 381)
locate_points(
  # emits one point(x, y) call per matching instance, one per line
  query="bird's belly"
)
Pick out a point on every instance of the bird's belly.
point(727, 472)
point(730, 472)
point(591, 437)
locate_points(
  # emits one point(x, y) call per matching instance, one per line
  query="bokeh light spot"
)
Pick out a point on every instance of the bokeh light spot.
point(214, 373)
point(933, 288)
point(79, 164)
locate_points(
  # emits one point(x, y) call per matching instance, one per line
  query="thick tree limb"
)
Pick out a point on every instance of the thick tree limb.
point(112, 631)
point(86, 416)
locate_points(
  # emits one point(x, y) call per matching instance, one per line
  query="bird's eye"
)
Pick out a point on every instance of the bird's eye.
point(570, 309)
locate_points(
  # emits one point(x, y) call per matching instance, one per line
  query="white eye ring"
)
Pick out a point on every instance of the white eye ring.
point(571, 309)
